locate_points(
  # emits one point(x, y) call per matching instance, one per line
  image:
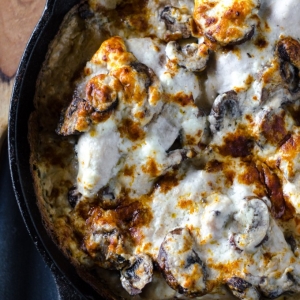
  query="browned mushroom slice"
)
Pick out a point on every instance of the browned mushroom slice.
point(177, 22)
point(73, 196)
point(253, 224)
point(180, 264)
point(193, 57)
point(288, 51)
point(274, 189)
point(104, 242)
point(103, 245)
point(227, 22)
point(273, 127)
point(139, 272)
point(292, 242)
point(243, 289)
point(102, 92)
point(289, 284)
point(76, 118)
point(224, 107)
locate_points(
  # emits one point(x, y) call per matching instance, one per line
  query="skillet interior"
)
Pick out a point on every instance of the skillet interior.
point(19, 152)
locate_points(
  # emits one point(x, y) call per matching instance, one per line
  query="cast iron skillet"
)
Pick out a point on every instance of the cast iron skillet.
point(70, 285)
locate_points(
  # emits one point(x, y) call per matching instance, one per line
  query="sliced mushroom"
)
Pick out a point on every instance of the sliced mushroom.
point(104, 242)
point(102, 92)
point(293, 110)
point(193, 57)
point(252, 225)
point(273, 127)
point(274, 189)
point(180, 264)
point(102, 245)
point(73, 196)
point(177, 22)
point(290, 74)
point(142, 69)
point(291, 242)
point(288, 51)
point(289, 284)
point(227, 22)
point(76, 118)
point(139, 272)
point(225, 106)
point(243, 289)
point(142, 91)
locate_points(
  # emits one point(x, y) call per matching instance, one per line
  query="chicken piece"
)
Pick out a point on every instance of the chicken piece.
point(227, 22)
point(98, 153)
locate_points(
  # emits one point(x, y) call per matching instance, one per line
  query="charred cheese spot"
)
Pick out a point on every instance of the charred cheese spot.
point(261, 42)
point(228, 22)
point(129, 170)
point(131, 130)
point(188, 205)
point(151, 167)
point(236, 145)
point(167, 182)
point(102, 92)
point(111, 50)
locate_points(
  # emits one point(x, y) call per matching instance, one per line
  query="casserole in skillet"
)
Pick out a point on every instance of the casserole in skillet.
point(164, 147)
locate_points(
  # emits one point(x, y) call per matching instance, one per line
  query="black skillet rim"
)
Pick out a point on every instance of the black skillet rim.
point(18, 150)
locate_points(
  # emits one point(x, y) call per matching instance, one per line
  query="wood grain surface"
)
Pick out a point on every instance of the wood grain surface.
point(17, 20)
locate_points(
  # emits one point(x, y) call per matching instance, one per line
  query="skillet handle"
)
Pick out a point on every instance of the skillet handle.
point(65, 291)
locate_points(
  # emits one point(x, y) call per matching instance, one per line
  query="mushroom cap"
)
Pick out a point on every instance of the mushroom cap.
point(180, 264)
point(137, 274)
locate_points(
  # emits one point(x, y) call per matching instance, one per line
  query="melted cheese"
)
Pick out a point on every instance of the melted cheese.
point(227, 180)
